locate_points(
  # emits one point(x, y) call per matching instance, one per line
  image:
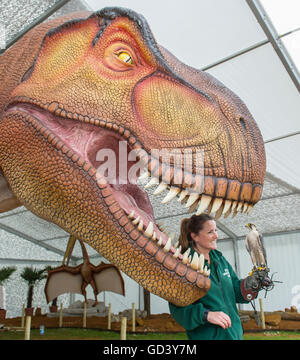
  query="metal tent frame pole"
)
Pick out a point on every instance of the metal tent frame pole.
point(275, 40)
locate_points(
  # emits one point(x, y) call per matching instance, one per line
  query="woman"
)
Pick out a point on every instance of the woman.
point(214, 316)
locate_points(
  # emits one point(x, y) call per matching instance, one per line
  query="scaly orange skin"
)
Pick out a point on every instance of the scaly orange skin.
point(157, 102)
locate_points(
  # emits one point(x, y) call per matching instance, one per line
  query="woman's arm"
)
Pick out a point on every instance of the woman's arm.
point(194, 315)
point(190, 316)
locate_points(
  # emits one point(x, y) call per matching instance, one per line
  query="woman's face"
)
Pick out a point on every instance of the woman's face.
point(207, 237)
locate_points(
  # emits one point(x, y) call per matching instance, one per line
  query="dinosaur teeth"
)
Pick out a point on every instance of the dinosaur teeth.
point(182, 195)
point(239, 207)
point(159, 241)
point(195, 261)
point(161, 187)
point(228, 212)
point(149, 231)
point(136, 221)
point(201, 263)
point(152, 182)
point(163, 237)
point(177, 252)
point(203, 204)
point(227, 205)
point(206, 272)
point(216, 205)
point(168, 245)
point(171, 195)
point(219, 212)
point(206, 203)
point(245, 207)
point(141, 225)
point(185, 259)
point(192, 198)
point(250, 207)
point(131, 215)
point(193, 207)
point(234, 205)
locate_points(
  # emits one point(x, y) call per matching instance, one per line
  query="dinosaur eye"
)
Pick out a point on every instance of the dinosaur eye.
point(125, 57)
point(119, 57)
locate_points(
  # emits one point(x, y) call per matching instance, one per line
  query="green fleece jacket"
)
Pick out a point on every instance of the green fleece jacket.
point(223, 295)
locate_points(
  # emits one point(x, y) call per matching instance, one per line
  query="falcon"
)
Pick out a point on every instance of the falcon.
point(255, 247)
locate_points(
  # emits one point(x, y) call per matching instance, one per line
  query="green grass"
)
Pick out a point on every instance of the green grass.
point(86, 334)
point(273, 335)
point(93, 334)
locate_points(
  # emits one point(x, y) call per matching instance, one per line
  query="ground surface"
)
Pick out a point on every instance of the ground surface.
point(162, 323)
point(154, 323)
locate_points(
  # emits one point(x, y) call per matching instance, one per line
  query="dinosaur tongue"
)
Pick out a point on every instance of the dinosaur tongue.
point(131, 198)
point(110, 155)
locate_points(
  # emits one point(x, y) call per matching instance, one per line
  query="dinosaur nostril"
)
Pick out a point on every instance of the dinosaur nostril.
point(243, 123)
point(27, 73)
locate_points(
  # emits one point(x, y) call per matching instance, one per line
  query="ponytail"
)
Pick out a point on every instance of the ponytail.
point(184, 237)
point(191, 225)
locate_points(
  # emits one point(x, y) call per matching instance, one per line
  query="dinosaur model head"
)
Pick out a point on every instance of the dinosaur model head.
point(77, 91)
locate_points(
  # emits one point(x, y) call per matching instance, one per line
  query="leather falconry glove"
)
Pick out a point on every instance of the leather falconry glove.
point(252, 284)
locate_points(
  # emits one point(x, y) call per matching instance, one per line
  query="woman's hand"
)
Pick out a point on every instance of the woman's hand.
point(219, 318)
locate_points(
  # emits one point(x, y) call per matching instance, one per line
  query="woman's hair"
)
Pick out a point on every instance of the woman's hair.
point(191, 225)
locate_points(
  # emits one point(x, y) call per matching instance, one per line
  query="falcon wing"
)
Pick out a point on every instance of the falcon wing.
point(253, 246)
point(61, 280)
point(263, 249)
point(108, 278)
point(247, 245)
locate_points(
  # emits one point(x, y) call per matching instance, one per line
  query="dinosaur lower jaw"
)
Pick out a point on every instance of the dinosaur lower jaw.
point(144, 220)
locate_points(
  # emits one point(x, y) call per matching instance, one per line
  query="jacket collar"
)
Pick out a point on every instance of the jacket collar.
point(214, 254)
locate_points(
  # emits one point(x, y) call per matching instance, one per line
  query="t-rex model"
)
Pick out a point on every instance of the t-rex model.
point(63, 279)
point(89, 81)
